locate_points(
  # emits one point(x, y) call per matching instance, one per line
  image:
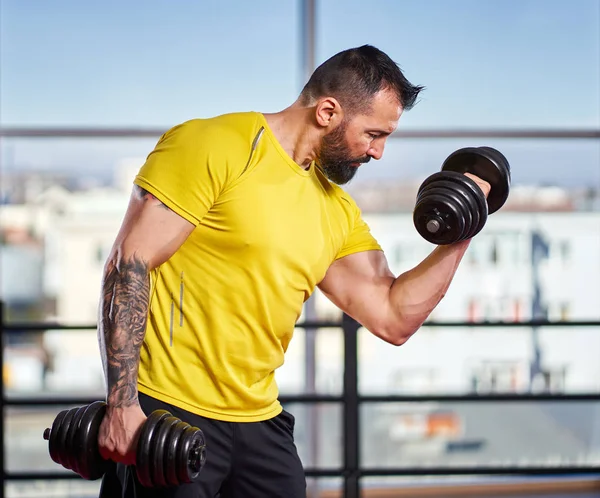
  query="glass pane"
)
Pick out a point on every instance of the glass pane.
point(313, 363)
point(316, 488)
point(457, 360)
point(70, 488)
point(318, 434)
point(324, 487)
point(26, 449)
point(480, 434)
point(480, 486)
point(53, 362)
point(67, 362)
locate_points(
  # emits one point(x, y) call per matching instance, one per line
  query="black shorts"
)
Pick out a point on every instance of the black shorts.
point(243, 460)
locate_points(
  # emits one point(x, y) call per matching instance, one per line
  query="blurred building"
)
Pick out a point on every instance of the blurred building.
point(393, 197)
point(24, 187)
point(53, 252)
point(522, 266)
point(56, 246)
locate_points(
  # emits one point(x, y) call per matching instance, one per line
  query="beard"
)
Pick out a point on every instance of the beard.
point(334, 158)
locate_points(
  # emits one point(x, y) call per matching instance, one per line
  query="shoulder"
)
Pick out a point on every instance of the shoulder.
point(220, 132)
point(201, 148)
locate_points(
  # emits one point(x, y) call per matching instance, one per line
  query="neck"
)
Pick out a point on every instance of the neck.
point(296, 133)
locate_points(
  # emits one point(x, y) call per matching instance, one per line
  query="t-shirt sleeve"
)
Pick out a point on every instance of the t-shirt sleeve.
point(360, 237)
point(186, 171)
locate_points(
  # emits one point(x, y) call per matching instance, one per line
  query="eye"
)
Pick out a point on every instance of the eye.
point(373, 135)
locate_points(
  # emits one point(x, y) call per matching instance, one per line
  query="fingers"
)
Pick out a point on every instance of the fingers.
point(105, 453)
point(119, 434)
point(122, 454)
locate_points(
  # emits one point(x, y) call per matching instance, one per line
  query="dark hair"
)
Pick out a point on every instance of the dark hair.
point(353, 76)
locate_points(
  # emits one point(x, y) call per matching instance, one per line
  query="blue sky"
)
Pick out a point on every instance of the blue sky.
point(493, 63)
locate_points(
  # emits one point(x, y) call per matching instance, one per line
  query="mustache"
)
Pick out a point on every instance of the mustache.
point(362, 160)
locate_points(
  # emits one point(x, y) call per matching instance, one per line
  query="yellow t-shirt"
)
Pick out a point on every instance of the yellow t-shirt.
point(224, 307)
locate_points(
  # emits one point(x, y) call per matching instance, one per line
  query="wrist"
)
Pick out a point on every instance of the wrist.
point(461, 246)
point(115, 403)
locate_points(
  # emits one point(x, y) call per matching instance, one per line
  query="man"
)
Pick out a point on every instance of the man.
point(232, 224)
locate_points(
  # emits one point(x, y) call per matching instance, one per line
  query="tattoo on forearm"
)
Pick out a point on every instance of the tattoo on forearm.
point(124, 310)
point(147, 196)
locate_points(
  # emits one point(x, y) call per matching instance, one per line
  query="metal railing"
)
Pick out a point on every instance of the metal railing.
point(351, 470)
point(35, 132)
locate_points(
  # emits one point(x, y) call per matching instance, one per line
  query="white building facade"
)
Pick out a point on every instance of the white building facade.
point(495, 282)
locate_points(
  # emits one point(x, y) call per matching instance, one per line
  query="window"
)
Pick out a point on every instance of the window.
point(565, 251)
point(494, 252)
point(101, 254)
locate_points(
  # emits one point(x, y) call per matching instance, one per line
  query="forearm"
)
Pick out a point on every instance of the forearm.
point(415, 293)
point(122, 326)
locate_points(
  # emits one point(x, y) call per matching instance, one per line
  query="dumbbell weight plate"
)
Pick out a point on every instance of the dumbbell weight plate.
point(471, 190)
point(447, 179)
point(489, 165)
point(453, 196)
point(91, 464)
point(499, 158)
point(159, 462)
point(451, 211)
point(156, 459)
point(53, 441)
point(470, 205)
point(184, 472)
point(197, 457)
point(73, 453)
point(171, 452)
point(145, 447)
point(73, 440)
point(61, 438)
point(501, 195)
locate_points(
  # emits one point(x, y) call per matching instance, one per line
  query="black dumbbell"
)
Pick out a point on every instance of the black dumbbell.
point(450, 206)
point(169, 451)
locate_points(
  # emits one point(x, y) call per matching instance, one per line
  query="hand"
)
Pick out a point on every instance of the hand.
point(119, 432)
point(483, 185)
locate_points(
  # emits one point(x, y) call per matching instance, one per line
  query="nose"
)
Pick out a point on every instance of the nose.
point(376, 150)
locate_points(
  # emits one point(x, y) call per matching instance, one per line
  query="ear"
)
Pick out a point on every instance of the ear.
point(328, 112)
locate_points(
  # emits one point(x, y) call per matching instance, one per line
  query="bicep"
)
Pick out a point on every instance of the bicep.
point(150, 230)
point(359, 284)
